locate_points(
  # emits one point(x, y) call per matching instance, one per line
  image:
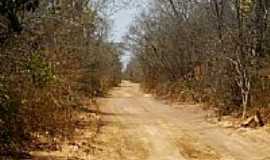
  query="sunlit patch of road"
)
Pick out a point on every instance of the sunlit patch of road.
point(174, 133)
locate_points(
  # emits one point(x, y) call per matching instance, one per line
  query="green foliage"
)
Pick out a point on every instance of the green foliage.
point(8, 112)
point(246, 7)
point(40, 71)
point(11, 130)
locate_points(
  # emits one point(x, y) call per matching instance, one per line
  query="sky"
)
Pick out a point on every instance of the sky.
point(123, 18)
point(121, 22)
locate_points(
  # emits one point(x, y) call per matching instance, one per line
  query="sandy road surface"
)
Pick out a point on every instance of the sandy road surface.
point(168, 133)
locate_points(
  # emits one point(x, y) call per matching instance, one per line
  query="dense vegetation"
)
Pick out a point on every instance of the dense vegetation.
point(53, 54)
point(213, 51)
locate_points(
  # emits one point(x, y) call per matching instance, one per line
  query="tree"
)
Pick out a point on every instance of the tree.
point(214, 49)
point(53, 60)
point(14, 11)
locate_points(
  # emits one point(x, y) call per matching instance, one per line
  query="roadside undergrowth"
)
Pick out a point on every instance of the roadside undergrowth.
point(81, 144)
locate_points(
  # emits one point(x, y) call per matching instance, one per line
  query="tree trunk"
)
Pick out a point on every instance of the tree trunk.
point(245, 97)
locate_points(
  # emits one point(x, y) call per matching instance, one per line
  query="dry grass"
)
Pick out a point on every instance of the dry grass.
point(80, 146)
point(92, 142)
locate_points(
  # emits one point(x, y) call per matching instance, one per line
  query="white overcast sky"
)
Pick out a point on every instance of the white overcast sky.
point(121, 22)
point(123, 18)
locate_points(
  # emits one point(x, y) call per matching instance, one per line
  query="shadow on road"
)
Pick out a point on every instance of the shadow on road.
point(55, 158)
point(87, 110)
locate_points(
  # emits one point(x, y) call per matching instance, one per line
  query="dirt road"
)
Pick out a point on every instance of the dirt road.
point(156, 131)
